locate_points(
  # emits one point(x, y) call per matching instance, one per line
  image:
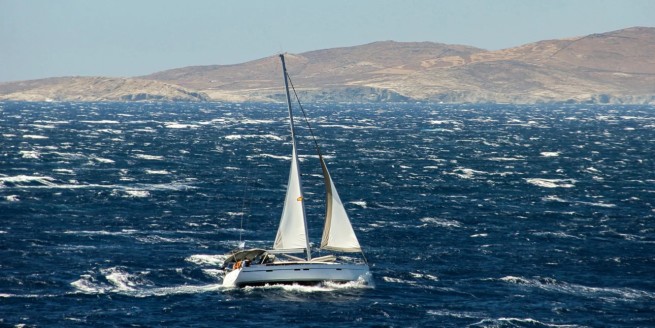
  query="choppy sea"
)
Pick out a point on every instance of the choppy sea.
point(117, 214)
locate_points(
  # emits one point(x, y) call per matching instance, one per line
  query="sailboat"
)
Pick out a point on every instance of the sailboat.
point(283, 264)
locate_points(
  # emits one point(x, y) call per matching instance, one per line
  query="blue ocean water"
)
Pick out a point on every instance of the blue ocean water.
point(117, 214)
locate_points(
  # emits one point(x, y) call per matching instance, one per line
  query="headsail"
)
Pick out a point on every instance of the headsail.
point(338, 233)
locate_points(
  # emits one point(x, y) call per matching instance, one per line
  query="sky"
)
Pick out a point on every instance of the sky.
point(123, 38)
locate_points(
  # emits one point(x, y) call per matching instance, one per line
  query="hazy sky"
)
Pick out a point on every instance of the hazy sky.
point(45, 38)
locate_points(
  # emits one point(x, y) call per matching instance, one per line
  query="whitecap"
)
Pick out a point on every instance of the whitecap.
point(398, 280)
point(101, 122)
point(253, 136)
point(206, 259)
point(65, 171)
point(286, 158)
point(505, 159)
point(424, 276)
point(359, 203)
point(12, 198)
point(455, 314)
point(29, 154)
point(136, 193)
point(32, 136)
point(606, 293)
point(551, 183)
point(362, 282)
point(516, 322)
point(102, 160)
point(441, 222)
point(19, 179)
point(149, 157)
point(175, 125)
point(466, 173)
point(162, 172)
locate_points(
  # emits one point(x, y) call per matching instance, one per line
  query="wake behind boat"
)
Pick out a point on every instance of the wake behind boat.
point(255, 267)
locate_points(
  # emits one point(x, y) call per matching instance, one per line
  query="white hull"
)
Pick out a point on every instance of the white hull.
point(294, 273)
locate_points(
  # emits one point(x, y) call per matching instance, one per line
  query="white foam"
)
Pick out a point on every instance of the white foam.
point(253, 136)
point(18, 179)
point(505, 159)
point(551, 183)
point(43, 126)
point(102, 160)
point(110, 131)
point(359, 203)
point(454, 314)
point(12, 198)
point(29, 154)
point(162, 172)
point(549, 153)
point(101, 122)
point(251, 121)
point(398, 281)
point(518, 322)
point(175, 125)
point(362, 282)
point(286, 158)
point(149, 157)
point(441, 222)
point(32, 136)
point(466, 173)
point(204, 259)
point(606, 293)
point(424, 276)
point(65, 171)
point(136, 193)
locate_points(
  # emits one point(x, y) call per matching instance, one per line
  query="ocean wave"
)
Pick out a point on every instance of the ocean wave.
point(551, 183)
point(205, 259)
point(361, 283)
point(116, 280)
point(518, 322)
point(176, 125)
point(149, 157)
point(605, 293)
point(34, 136)
point(441, 222)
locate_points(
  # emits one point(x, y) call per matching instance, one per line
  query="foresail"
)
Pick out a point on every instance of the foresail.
point(291, 233)
point(338, 233)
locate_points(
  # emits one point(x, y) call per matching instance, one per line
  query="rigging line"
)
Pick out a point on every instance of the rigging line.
point(304, 114)
point(244, 201)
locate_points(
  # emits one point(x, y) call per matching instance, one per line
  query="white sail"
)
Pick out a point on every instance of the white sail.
point(292, 232)
point(338, 233)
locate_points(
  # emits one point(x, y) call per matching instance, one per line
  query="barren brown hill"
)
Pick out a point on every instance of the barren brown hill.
point(613, 67)
point(96, 89)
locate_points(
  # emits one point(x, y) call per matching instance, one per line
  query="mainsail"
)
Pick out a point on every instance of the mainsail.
point(292, 232)
point(338, 233)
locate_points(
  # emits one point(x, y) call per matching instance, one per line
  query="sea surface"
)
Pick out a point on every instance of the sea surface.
point(118, 214)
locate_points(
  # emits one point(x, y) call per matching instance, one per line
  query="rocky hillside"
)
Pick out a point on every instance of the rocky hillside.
point(96, 89)
point(613, 67)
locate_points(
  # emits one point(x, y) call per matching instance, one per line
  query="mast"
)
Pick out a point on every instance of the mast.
point(294, 157)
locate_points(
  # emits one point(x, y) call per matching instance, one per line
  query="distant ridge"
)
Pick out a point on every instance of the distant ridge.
point(612, 67)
